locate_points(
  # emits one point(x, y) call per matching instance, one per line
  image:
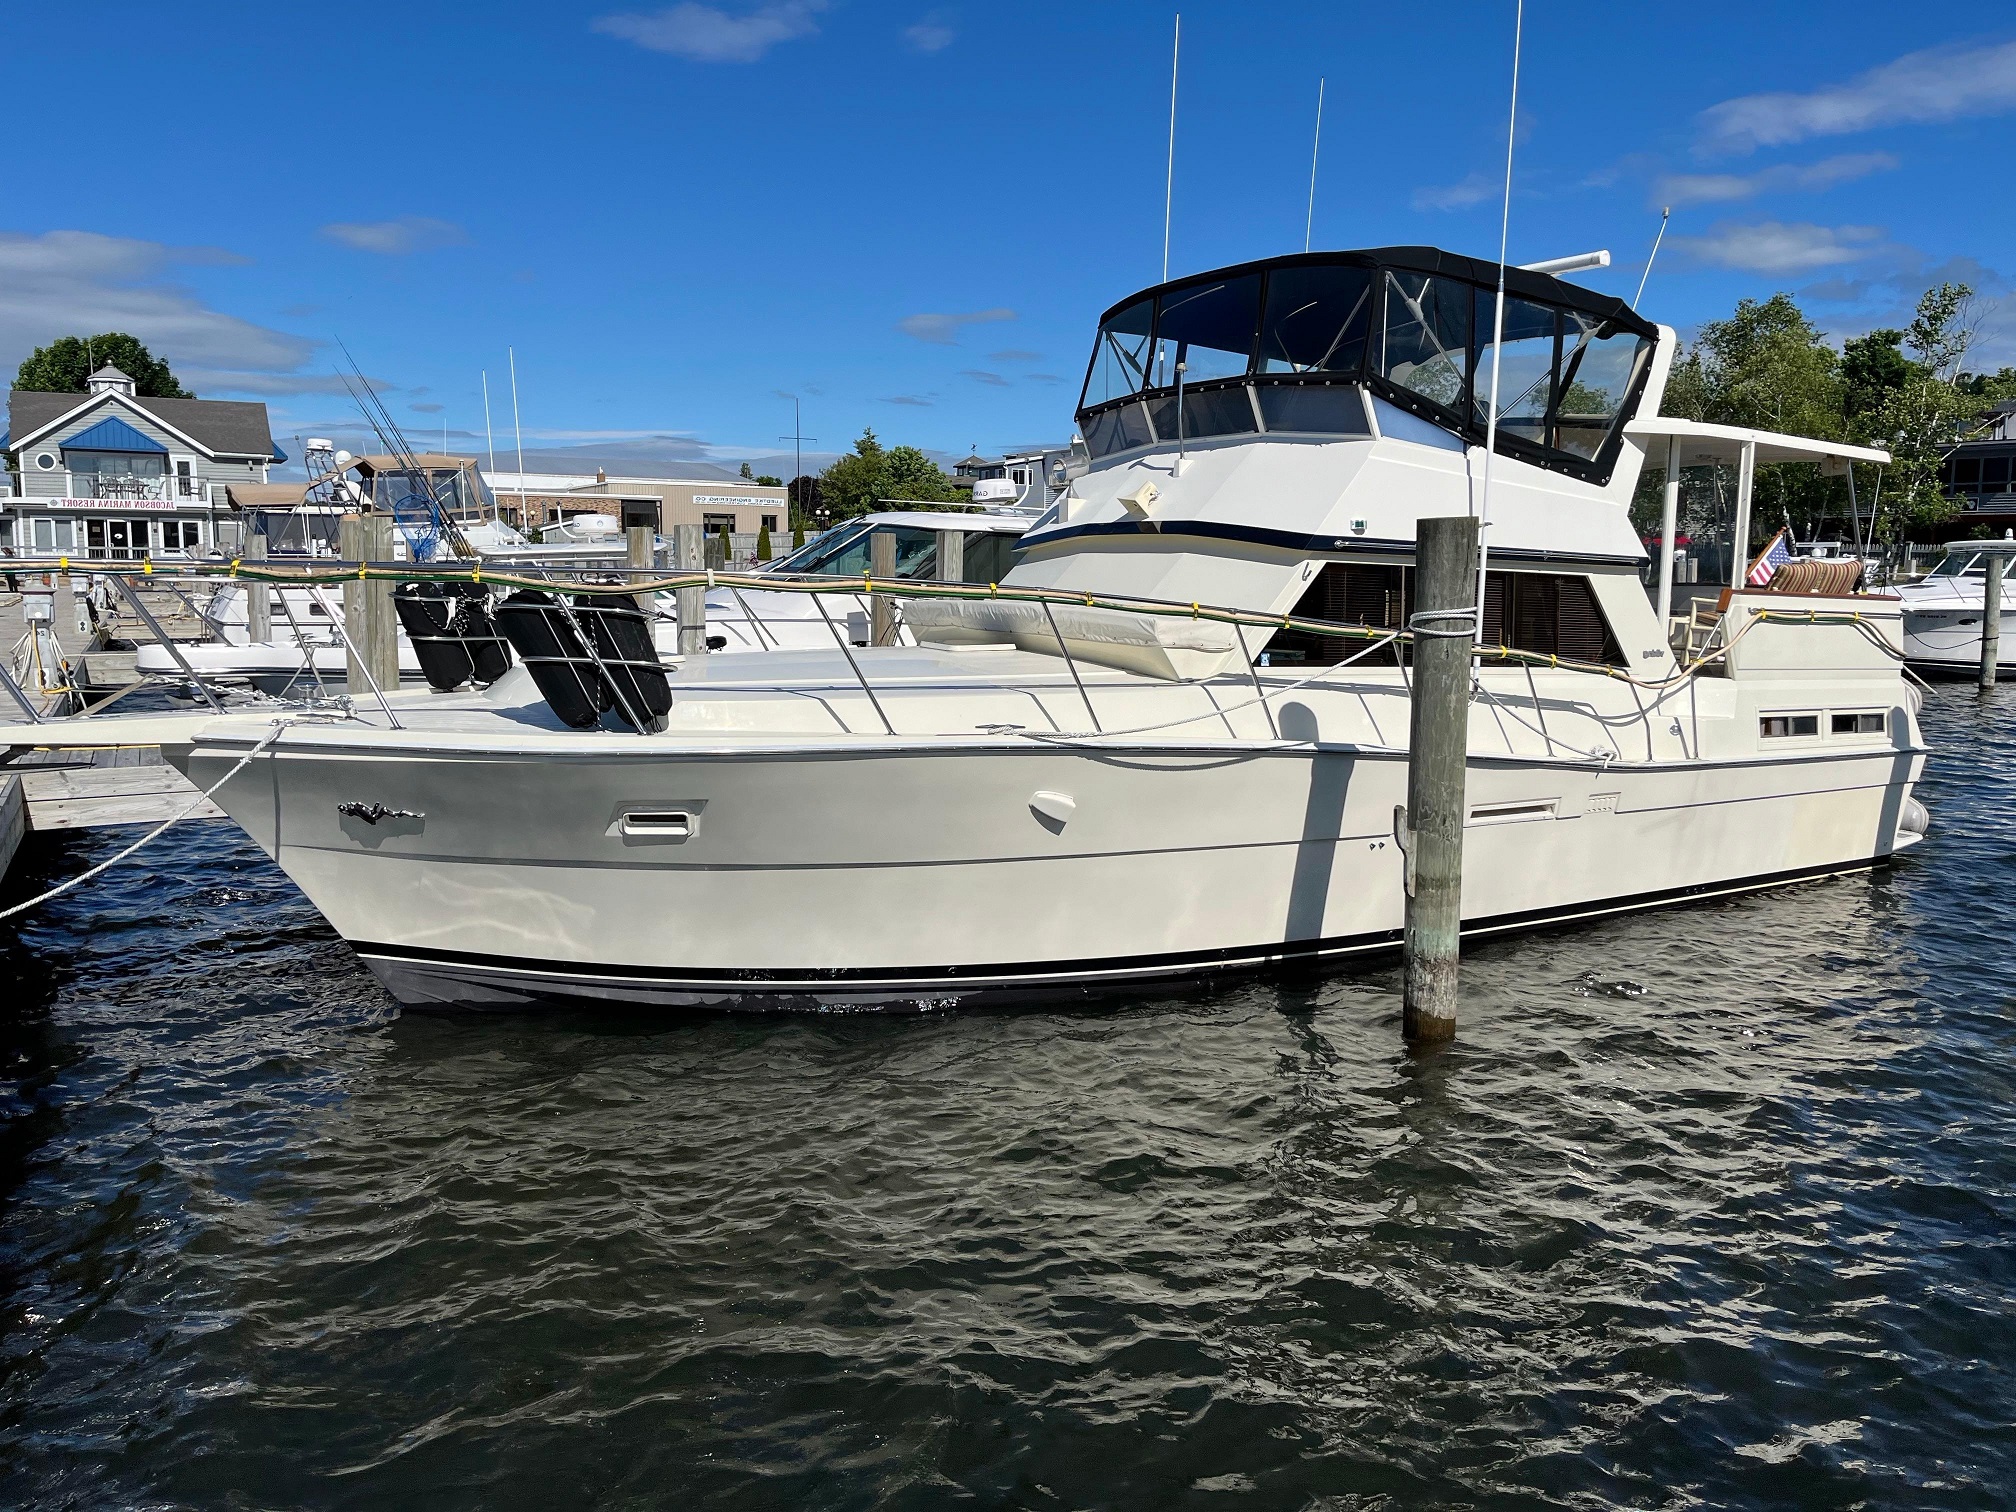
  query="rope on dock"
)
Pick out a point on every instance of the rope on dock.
point(155, 833)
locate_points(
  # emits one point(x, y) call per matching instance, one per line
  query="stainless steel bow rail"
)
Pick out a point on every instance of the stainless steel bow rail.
point(600, 578)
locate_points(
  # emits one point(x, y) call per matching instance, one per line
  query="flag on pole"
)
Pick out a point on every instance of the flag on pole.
point(1774, 556)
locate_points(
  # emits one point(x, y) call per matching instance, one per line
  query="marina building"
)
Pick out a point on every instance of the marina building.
point(113, 473)
point(532, 501)
point(1981, 471)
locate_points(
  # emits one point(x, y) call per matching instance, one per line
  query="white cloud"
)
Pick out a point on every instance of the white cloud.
point(943, 330)
point(395, 238)
point(978, 375)
point(1776, 247)
point(1938, 84)
point(213, 383)
point(1712, 188)
point(1473, 190)
point(930, 34)
point(708, 34)
point(917, 401)
point(78, 283)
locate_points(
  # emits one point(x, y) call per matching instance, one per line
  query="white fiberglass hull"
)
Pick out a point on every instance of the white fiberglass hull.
point(881, 874)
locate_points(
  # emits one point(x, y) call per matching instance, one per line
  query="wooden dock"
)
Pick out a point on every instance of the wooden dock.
point(60, 790)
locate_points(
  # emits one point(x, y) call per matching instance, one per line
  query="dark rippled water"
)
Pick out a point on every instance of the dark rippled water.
point(1709, 1208)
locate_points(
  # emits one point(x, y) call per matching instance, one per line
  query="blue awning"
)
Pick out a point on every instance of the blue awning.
point(278, 455)
point(113, 435)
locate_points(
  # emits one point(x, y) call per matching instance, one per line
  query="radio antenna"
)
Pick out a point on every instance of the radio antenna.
point(1498, 322)
point(1169, 184)
point(1664, 216)
point(1309, 225)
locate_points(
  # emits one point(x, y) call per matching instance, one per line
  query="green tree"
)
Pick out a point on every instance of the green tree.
point(797, 535)
point(859, 481)
point(747, 473)
point(766, 481)
point(763, 543)
point(1918, 423)
point(1872, 368)
point(727, 551)
point(856, 480)
point(1943, 328)
point(62, 366)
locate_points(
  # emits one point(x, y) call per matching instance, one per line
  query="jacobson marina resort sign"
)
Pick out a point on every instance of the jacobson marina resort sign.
point(116, 506)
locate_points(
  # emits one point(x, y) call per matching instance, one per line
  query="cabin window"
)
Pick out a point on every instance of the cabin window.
point(1317, 320)
point(1857, 724)
point(1425, 345)
point(1318, 408)
point(1208, 329)
point(1120, 361)
point(1549, 613)
point(1788, 726)
point(1526, 362)
point(1218, 412)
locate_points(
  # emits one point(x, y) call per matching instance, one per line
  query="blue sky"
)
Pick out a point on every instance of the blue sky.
point(910, 215)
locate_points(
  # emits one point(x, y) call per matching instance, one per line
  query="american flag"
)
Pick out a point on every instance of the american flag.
point(1774, 556)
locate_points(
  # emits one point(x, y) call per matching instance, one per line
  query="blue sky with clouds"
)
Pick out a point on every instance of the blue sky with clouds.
point(910, 215)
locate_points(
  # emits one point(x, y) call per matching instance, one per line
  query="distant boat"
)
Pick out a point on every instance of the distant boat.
point(1943, 612)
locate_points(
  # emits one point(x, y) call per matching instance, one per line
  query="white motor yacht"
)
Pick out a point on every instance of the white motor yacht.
point(1942, 614)
point(1157, 802)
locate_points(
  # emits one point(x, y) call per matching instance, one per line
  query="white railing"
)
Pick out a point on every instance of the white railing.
point(174, 488)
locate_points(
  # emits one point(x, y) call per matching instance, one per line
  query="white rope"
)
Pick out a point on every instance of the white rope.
point(158, 830)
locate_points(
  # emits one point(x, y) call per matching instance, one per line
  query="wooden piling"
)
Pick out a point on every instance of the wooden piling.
point(1991, 618)
point(1445, 556)
point(882, 608)
point(951, 556)
point(689, 551)
point(642, 542)
point(258, 597)
point(367, 606)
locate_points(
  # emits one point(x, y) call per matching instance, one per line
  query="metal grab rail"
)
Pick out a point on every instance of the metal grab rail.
point(614, 579)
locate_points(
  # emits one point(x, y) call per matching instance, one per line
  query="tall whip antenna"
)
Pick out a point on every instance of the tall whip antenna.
point(1309, 225)
point(1498, 323)
point(489, 436)
point(1169, 184)
point(519, 430)
point(1664, 216)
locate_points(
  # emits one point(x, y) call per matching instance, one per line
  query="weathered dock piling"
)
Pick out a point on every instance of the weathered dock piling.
point(1991, 618)
point(689, 551)
point(367, 607)
point(882, 608)
point(258, 597)
point(641, 543)
point(1445, 557)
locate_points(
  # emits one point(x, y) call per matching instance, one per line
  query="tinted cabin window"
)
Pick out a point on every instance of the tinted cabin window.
point(1316, 320)
point(1120, 360)
point(1208, 328)
point(1425, 345)
point(1554, 614)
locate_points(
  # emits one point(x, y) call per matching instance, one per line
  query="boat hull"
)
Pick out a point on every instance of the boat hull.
point(933, 877)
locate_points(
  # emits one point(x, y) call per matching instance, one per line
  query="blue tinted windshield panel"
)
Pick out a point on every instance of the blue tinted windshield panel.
point(1316, 320)
point(1208, 328)
point(1120, 360)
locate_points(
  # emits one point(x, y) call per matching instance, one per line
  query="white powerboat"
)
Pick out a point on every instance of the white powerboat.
point(753, 619)
point(1943, 611)
point(1157, 803)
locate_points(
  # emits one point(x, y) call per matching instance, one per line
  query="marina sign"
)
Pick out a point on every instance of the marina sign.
point(115, 506)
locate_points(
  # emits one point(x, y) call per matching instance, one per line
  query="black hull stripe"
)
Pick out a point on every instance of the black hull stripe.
point(1026, 974)
point(1299, 542)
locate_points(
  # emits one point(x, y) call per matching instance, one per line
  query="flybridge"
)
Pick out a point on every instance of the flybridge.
point(1293, 345)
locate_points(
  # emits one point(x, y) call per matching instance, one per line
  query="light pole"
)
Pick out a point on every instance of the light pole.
point(797, 440)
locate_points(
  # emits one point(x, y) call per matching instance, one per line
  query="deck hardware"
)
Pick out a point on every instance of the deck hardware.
point(371, 813)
